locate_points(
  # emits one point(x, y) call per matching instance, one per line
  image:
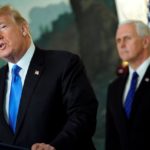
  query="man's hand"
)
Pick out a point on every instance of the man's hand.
point(42, 146)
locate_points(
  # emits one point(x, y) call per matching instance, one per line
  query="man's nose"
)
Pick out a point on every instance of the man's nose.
point(1, 36)
point(122, 44)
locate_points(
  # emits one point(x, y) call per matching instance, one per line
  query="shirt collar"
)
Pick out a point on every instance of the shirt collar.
point(142, 68)
point(25, 60)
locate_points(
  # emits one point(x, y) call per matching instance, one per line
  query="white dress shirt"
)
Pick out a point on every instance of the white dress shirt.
point(24, 64)
point(140, 71)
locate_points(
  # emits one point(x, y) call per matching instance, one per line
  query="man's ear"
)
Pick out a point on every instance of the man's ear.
point(146, 41)
point(24, 29)
point(24, 33)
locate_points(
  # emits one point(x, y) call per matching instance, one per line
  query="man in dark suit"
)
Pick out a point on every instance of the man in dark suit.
point(57, 106)
point(128, 128)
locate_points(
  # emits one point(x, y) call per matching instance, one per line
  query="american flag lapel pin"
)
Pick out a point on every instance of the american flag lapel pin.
point(147, 79)
point(37, 72)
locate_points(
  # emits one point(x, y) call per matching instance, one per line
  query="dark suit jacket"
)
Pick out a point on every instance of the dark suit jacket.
point(58, 105)
point(132, 134)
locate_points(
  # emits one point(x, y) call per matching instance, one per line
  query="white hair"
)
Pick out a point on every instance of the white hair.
point(141, 28)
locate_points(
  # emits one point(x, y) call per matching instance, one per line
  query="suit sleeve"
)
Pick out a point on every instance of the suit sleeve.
point(112, 140)
point(80, 106)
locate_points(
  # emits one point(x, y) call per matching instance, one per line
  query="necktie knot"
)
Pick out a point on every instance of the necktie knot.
point(15, 72)
point(16, 69)
point(134, 76)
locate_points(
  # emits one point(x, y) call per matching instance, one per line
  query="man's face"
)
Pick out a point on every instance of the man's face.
point(129, 44)
point(11, 38)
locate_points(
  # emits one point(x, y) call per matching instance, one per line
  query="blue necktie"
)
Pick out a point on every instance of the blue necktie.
point(15, 95)
point(130, 95)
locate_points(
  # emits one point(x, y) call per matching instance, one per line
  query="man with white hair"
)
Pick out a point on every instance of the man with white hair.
point(128, 97)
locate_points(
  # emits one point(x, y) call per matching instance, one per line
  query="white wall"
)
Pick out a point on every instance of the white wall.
point(132, 9)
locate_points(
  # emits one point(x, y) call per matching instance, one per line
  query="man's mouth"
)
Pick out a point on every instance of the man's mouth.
point(2, 46)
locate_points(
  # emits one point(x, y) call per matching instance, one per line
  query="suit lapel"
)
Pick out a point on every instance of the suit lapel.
point(119, 115)
point(2, 92)
point(32, 77)
point(4, 125)
point(119, 92)
point(142, 92)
